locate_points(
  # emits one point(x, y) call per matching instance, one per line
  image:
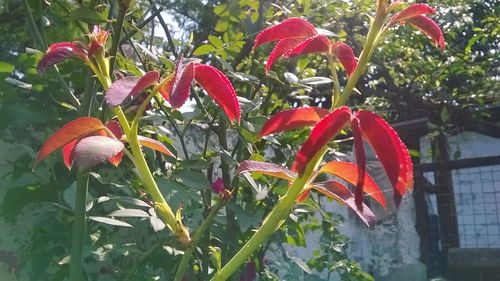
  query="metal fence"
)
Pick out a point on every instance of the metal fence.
point(471, 215)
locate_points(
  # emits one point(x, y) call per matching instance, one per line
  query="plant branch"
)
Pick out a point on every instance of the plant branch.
point(79, 226)
point(116, 38)
point(167, 32)
point(198, 235)
point(172, 122)
point(140, 25)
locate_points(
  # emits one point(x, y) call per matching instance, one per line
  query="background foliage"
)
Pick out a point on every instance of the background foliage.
point(408, 78)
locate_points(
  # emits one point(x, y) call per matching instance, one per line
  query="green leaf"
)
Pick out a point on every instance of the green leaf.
point(130, 213)
point(316, 80)
point(222, 25)
point(6, 67)
point(301, 264)
point(219, 9)
point(215, 256)
point(291, 78)
point(197, 164)
point(192, 179)
point(203, 50)
point(18, 197)
point(216, 41)
point(88, 15)
point(110, 221)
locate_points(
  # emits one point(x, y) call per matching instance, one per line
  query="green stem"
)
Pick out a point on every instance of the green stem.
point(79, 227)
point(335, 77)
point(198, 235)
point(370, 44)
point(273, 220)
point(176, 226)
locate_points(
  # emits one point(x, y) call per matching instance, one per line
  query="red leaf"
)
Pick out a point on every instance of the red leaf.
point(345, 55)
point(93, 150)
point(321, 134)
point(411, 11)
point(315, 44)
point(176, 91)
point(147, 80)
point(360, 161)
point(289, 28)
point(69, 132)
point(155, 145)
point(293, 119)
point(130, 86)
point(58, 52)
point(281, 48)
point(68, 155)
point(267, 169)
point(219, 88)
point(115, 128)
point(429, 27)
point(350, 173)
point(341, 193)
point(390, 150)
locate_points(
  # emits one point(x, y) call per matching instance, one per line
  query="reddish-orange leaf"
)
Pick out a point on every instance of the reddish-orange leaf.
point(293, 119)
point(268, 169)
point(281, 48)
point(154, 144)
point(176, 91)
point(289, 28)
point(315, 44)
point(219, 88)
point(411, 11)
point(69, 132)
point(360, 161)
point(345, 55)
point(341, 193)
point(429, 27)
point(324, 131)
point(349, 172)
point(390, 150)
point(68, 156)
point(58, 52)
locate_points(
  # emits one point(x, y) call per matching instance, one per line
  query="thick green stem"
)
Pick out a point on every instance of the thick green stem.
point(180, 231)
point(273, 220)
point(79, 227)
point(198, 235)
